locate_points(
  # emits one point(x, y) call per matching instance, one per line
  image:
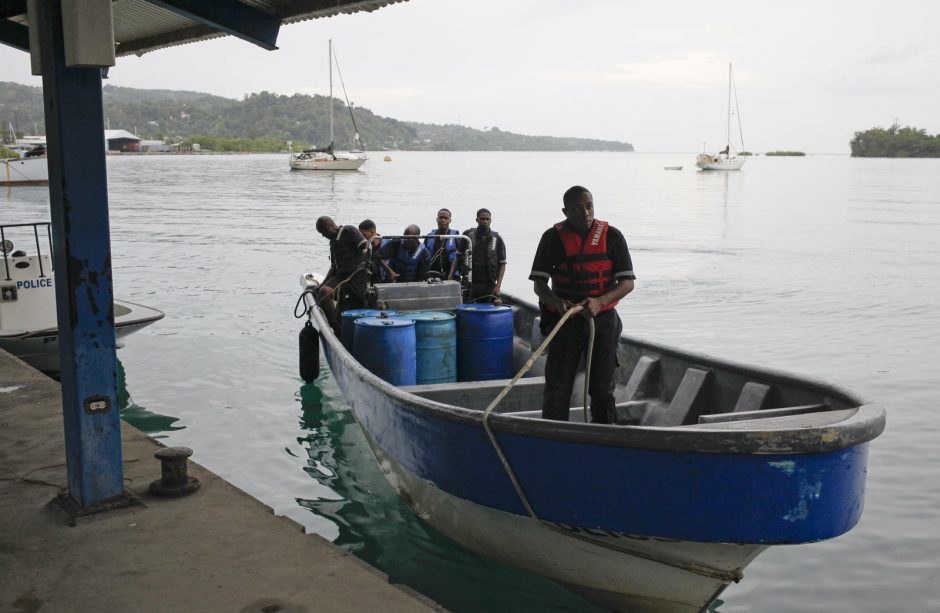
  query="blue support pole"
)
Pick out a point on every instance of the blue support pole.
point(78, 194)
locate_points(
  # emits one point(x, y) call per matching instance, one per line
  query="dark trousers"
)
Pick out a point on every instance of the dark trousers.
point(350, 295)
point(564, 355)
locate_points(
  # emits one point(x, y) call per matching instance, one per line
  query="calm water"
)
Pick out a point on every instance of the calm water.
point(826, 266)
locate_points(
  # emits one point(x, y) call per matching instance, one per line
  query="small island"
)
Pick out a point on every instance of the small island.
point(786, 153)
point(895, 142)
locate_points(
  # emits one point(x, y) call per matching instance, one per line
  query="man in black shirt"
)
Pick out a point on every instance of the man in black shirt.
point(489, 260)
point(589, 264)
point(349, 253)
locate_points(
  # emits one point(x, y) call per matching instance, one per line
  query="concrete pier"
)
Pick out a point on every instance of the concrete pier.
point(216, 549)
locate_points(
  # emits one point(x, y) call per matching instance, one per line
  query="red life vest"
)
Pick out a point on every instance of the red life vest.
point(587, 271)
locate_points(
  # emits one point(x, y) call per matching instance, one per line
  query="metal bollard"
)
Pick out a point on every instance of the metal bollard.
point(174, 480)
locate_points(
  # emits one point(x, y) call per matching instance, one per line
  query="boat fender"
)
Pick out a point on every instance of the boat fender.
point(309, 353)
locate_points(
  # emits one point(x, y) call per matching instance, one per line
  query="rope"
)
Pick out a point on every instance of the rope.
point(363, 266)
point(705, 571)
point(502, 394)
point(587, 369)
point(300, 300)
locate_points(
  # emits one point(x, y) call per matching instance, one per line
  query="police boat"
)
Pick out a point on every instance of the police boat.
point(709, 462)
point(28, 324)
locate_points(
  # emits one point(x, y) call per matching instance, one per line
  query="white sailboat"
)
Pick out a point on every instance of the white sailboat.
point(31, 167)
point(725, 159)
point(327, 159)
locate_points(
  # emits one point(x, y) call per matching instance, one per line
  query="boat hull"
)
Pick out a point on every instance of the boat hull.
point(708, 162)
point(631, 517)
point(24, 171)
point(40, 349)
point(619, 572)
point(338, 164)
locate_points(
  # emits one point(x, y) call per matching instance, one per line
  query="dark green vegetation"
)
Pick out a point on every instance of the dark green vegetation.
point(786, 153)
point(895, 142)
point(265, 121)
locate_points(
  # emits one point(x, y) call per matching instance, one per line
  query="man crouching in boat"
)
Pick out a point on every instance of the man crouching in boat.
point(349, 270)
point(589, 264)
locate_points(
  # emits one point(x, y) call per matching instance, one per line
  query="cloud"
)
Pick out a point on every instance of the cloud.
point(894, 55)
point(682, 70)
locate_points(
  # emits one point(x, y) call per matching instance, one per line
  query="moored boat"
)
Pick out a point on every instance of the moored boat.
point(28, 321)
point(26, 170)
point(709, 463)
point(327, 158)
point(725, 159)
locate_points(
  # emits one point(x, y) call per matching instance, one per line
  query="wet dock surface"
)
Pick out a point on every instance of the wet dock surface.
point(216, 549)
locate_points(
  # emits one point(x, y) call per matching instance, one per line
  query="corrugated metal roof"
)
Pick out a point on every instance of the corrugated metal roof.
point(141, 27)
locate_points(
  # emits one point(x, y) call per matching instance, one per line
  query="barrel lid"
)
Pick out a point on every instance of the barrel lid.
point(389, 322)
point(353, 313)
point(483, 308)
point(428, 315)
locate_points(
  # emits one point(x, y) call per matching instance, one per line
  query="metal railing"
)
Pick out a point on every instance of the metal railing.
point(467, 254)
point(7, 246)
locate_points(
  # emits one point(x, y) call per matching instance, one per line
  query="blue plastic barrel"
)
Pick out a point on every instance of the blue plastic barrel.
point(484, 342)
point(348, 318)
point(436, 342)
point(386, 347)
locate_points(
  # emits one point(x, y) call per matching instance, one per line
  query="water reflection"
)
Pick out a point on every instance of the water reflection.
point(378, 527)
point(147, 421)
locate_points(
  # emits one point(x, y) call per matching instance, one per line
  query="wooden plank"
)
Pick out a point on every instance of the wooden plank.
point(686, 402)
point(644, 371)
point(762, 414)
point(753, 397)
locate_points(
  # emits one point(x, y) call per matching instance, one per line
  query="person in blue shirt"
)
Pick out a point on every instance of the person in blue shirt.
point(443, 250)
point(406, 259)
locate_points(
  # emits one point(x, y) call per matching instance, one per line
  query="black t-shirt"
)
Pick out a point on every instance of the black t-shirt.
point(347, 250)
point(551, 252)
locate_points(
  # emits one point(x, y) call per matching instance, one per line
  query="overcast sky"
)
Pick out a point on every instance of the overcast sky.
point(808, 74)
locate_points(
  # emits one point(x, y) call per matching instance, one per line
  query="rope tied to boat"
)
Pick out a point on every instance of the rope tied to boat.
point(721, 574)
point(522, 371)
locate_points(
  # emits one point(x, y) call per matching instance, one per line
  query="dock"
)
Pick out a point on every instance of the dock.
point(217, 549)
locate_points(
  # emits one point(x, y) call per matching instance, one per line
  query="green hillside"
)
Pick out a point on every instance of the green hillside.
point(268, 120)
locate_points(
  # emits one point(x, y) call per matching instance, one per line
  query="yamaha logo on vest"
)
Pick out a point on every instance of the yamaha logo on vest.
point(598, 230)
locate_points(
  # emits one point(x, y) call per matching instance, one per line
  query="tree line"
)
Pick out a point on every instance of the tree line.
point(265, 122)
point(895, 142)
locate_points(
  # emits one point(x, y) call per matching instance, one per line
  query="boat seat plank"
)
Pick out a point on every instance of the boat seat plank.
point(761, 414)
point(781, 422)
point(753, 397)
point(524, 396)
point(685, 405)
point(643, 373)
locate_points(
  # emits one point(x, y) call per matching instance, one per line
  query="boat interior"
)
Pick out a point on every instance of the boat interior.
point(655, 386)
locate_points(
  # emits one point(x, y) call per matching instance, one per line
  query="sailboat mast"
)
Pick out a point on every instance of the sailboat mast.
point(331, 95)
point(729, 109)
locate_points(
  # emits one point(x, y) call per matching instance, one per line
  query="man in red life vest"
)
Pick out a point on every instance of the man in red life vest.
point(588, 263)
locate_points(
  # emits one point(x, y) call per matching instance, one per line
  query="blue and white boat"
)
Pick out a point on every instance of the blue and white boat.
point(709, 464)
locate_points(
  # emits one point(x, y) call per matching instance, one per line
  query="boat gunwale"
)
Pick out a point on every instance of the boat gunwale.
point(864, 424)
